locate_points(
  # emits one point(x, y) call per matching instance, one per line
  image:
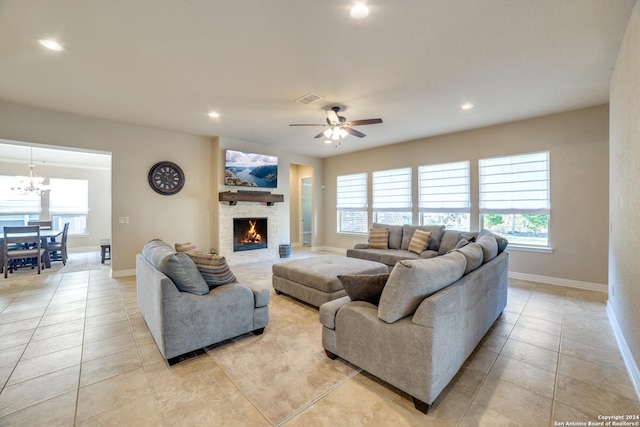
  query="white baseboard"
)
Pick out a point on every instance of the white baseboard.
point(589, 286)
point(629, 361)
point(123, 273)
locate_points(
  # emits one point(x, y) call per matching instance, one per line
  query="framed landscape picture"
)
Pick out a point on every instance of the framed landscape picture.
point(244, 169)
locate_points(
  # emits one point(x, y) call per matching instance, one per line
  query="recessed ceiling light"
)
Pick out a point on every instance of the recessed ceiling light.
point(51, 44)
point(214, 114)
point(359, 11)
point(467, 106)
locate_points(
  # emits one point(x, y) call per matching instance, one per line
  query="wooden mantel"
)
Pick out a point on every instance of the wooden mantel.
point(249, 196)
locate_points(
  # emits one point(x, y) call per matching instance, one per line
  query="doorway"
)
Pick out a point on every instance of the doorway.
point(307, 223)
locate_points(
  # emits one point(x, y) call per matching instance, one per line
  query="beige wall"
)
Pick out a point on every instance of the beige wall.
point(99, 222)
point(189, 215)
point(578, 145)
point(624, 204)
point(286, 161)
point(184, 216)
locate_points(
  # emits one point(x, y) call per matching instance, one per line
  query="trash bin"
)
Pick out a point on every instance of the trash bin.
point(285, 251)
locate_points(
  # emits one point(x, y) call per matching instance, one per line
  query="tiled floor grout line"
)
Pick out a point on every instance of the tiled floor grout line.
point(557, 375)
point(84, 331)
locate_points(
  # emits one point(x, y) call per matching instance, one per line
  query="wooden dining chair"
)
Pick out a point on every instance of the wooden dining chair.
point(27, 244)
point(58, 249)
point(44, 225)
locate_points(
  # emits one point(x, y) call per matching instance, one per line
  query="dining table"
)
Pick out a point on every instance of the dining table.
point(46, 237)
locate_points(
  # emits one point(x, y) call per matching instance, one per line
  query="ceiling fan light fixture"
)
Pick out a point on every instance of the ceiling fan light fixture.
point(328, 132)
point(336, 134)
point(359, 11)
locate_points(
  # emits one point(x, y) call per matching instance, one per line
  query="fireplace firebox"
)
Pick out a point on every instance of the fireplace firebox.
point(249, 234)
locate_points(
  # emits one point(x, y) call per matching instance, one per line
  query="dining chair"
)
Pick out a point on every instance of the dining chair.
point(27, 247)
point(44, 225)
point(58, 249)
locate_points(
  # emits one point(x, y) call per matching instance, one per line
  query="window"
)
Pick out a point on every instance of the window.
point(514, 198)
point(69, 202)
point(16, 210)
point(352, 203)
point(444, 195)
point(392, 196)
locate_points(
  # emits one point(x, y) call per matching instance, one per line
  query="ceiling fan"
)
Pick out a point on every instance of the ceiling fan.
point(339, 127)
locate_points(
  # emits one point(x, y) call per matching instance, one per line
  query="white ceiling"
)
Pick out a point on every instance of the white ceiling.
point(168, 63)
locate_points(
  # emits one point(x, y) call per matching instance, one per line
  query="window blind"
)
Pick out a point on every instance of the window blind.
point(515, 184)
point(392, 189)
point(352, 191)
point(444, 188)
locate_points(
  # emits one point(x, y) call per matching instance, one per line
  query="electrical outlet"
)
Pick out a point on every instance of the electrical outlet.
point(124, 220)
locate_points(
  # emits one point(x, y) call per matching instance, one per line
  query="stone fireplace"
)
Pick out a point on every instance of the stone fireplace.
point(250, 234)
point(246, 211)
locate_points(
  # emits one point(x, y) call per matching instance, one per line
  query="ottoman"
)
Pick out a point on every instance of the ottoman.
point(315, 280)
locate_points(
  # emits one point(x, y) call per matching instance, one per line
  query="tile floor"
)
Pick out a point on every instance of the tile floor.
point(74, 350)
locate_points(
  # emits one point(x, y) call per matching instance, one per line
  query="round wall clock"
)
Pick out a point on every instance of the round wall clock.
point(166, 178)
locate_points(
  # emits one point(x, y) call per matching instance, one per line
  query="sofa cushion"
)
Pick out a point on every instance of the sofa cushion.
point(451, 238)
point(473, 253)
point(379, 238)
point(395, 234)
point(176, 266)
point(434, 242)
point(367, 254)
point(391, 256)
point(412, 281)
point(364, 287)
point(502, 242)
point(419, 241)
point(489, 246)
point(213, 268)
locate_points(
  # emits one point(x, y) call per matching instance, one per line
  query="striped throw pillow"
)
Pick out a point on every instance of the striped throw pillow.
point(419, 241)
point(379, 238)
point(186, 247)
point(213, 268)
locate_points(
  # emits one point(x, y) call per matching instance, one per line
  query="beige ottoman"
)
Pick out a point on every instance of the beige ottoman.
point(315, 280)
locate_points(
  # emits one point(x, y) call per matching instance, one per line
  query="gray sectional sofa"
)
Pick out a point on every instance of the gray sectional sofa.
point(431, 315)
point(441, 242)
point(181, 315)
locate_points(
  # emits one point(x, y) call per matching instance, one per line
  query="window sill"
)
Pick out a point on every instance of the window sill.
point(341, 233)
point(522, 248)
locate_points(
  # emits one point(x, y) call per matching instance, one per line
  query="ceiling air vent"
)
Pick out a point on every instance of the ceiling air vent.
point(308, 99)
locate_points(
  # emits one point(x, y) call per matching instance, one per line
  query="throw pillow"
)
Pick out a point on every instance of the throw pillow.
point(411, 281)
point(379, 238)
point(214, 268)
point(489, 246)
point(461, 243)
point(502, 242)
point(186, 247)
point(419, 241)
point(176, 266)
point(364, 287)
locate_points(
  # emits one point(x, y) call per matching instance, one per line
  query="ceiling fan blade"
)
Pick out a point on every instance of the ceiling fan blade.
point(364, 122)
point(354, 132)
point(332, 117)
point(307, 124)
point(321, 134)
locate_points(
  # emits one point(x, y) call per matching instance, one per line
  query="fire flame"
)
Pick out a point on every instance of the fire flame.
point(251, 236)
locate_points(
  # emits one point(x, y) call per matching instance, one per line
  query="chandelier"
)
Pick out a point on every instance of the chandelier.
point(32, 184)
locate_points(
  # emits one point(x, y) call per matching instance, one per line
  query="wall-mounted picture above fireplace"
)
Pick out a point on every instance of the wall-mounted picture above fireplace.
point(250, 169)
